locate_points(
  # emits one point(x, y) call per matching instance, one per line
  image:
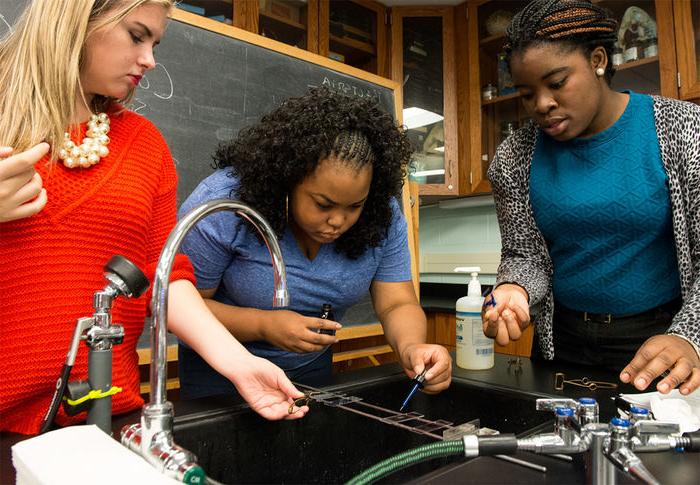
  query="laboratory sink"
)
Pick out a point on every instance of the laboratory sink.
point(331, 445)
point(507, 411)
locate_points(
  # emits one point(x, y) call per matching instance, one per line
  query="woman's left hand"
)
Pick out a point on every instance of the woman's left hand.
point(659, 354)
point(417, 357)
point(267, 389)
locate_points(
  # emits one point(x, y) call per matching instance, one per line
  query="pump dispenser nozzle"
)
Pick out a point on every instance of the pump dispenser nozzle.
point(474, 285)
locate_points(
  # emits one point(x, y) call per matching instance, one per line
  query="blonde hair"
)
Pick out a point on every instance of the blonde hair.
point(40, 64)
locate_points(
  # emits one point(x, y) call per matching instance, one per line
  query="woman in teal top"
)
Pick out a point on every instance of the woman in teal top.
point(597, 200)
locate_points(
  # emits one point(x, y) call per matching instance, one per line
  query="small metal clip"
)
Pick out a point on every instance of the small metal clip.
point(516, 363)
point(301, 401)
point(585, 382)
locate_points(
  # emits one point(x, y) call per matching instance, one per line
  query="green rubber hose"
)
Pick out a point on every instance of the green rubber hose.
point(408, 458)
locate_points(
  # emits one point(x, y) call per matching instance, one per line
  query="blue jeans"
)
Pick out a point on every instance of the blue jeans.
point(198, 379)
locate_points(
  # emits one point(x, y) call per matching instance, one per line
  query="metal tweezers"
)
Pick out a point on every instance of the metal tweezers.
point(560, 380)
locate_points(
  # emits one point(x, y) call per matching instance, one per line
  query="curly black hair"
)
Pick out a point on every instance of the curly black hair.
point(273, 156)
point(571, 24)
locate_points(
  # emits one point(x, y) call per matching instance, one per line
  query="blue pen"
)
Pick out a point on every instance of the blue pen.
point(418, 383)
point(491, 302)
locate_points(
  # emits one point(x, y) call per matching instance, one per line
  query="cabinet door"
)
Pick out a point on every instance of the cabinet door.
point(353, 32)
point(687, 22)
point(645, 63)
point(292, 22)
point(423, 62)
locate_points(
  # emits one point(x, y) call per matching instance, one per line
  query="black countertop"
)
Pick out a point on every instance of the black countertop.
point(536, 379)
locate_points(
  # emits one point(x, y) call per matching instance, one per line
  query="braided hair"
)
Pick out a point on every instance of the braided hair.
point(353, 149)
point(271, 157)
point(573, 24)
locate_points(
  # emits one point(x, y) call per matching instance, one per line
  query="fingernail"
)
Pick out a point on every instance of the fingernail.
point(506, 313)
point(641, 382)
point(663, 387)
point(625, 377)
point(685, 391)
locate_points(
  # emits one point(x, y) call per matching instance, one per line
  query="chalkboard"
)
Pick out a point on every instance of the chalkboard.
point(206, 86)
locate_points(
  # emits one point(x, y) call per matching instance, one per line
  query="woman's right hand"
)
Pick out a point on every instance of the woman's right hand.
point(267, 389)
point(21, 188)
point(291, 331)
point(509, 317)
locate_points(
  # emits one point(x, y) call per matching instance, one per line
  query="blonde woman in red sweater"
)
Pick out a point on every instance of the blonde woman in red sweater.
point(70, 66)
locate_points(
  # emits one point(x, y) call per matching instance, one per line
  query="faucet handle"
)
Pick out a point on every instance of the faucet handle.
point(552, 404)
point(126, 276)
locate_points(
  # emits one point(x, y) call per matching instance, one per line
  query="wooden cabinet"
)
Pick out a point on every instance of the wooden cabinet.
point(292, 22)
point(442, 329)
point(423, 61)
point(354, 32)
point(350, 31)
point(687, 28)
point(494, 106)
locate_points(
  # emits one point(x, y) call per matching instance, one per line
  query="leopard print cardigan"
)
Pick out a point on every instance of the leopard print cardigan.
point(524, 256)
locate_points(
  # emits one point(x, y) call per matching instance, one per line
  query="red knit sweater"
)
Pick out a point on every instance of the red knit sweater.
point(52, 264)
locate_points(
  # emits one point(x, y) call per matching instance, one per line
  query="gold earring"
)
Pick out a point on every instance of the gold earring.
point(600, 72)
point(286, 207)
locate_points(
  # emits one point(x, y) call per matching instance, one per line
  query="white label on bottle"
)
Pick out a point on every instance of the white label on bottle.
point(471, 322)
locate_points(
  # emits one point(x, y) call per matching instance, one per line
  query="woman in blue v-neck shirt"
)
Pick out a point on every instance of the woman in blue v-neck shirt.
point(325, 170)
point(598, 200)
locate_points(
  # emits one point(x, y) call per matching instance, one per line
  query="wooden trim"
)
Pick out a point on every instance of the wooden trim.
point(668, 66)
point(312, 25)
point(245, 15)
point(145, 354)
point(479, 183)
point(462, 68)
point(687, 57)
point(366, 352)
point(170, 384)
point(267, 43)
point(324, 19)
point(360, 331)
point(413, 234)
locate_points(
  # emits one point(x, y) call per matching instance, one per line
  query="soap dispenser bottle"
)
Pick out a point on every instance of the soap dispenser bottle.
point(474, 349)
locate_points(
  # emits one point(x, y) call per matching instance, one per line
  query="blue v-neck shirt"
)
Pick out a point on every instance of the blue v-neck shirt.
point(603, 206)
point(227, 255)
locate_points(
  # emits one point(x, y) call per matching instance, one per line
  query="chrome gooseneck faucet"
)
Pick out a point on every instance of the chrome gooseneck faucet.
point(153, 437)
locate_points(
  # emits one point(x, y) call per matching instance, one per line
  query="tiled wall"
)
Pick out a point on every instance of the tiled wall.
point(466, 230)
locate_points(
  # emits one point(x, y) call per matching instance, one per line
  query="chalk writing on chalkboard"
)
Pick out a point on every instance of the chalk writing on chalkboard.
point(159, 82)
point(351, 89)
point(5, 27)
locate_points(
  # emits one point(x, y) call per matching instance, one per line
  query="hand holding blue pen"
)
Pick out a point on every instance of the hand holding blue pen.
point(506, 319)
point(417, 384)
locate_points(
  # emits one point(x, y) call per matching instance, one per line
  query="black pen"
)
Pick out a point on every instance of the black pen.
point(418, 383)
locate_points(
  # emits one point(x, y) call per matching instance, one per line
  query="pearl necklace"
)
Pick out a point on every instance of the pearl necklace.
point(93, 147)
